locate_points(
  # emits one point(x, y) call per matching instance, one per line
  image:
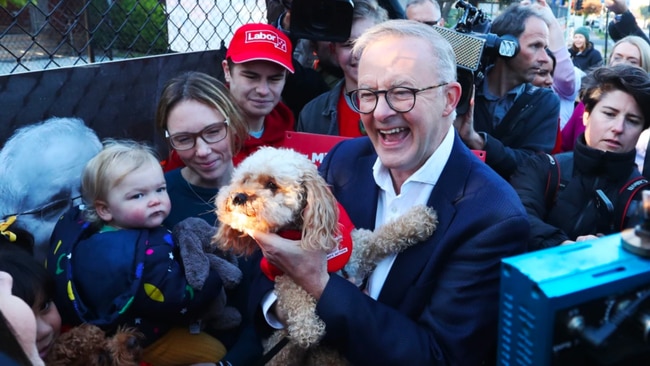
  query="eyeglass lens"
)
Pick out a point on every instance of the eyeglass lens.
point(211, 134)
point(398, 98)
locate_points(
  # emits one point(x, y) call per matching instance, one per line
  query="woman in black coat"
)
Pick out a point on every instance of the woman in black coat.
point(582, 51)
point(617, 110)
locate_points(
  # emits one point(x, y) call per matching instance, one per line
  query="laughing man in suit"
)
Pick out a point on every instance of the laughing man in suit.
point(435, 303)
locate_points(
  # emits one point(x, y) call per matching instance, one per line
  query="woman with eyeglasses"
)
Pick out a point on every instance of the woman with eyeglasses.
point(206, 129)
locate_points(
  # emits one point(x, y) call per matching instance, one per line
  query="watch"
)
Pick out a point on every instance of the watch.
point(618, 17)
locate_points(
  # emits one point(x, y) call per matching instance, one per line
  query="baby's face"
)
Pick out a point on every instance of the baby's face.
point(140, 200)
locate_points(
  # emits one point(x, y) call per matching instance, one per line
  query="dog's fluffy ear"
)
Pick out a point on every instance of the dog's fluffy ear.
point(320, 216)
point(229, 239)
point(77, 346)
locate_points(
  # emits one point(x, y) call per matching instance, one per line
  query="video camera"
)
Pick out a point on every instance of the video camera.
point(329, 20)
point(475, 48)
point(584, 304)
point(321, 20)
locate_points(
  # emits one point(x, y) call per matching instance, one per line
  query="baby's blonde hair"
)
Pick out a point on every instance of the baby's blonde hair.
point(117, 159)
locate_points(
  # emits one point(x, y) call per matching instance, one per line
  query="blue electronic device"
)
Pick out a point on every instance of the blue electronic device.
point(581, 304)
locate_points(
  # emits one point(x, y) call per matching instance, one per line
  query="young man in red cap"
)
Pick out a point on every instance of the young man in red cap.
point(256, 65)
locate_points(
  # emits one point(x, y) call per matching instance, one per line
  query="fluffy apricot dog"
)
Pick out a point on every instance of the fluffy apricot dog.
point(276, 190)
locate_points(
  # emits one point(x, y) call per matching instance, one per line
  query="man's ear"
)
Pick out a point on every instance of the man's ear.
point(226, 70)
point(103, 211)
point(453, 93)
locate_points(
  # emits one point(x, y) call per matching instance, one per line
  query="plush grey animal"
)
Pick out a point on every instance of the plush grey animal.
point(193, 236)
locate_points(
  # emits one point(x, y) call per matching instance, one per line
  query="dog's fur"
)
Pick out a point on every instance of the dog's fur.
point(279, 189)
point(88, 345)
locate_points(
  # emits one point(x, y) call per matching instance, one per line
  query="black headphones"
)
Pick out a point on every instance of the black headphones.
point(507, 46)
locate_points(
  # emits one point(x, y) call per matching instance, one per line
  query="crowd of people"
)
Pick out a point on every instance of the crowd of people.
point(102, 225)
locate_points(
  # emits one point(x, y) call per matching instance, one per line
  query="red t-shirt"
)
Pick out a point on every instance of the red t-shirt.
point(349, 122)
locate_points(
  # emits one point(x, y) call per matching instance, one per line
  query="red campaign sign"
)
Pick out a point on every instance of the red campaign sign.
point(316, 146)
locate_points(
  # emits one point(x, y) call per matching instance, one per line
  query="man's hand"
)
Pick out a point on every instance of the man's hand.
point(464, 124)
point(543, 8)
point(582, 238)
point(617, 6)
point(306, 268)
point(588, 237)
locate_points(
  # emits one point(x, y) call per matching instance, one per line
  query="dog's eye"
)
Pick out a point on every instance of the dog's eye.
point(271, 185)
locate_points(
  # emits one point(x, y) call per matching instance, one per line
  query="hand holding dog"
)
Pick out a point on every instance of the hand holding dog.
point(308, 268)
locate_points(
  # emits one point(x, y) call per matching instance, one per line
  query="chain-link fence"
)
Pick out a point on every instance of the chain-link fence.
point(43, 34)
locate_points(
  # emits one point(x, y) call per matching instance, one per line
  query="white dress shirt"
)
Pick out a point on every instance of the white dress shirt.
point(415, 190)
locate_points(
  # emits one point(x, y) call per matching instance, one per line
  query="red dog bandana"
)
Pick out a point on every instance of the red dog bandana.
point(336, 260)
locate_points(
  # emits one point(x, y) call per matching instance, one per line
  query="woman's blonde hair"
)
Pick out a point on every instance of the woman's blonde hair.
point(641, 45)
point(108, 168)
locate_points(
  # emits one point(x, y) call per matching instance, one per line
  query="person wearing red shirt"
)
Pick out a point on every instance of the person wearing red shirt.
point(330, 113)
point(256, 66)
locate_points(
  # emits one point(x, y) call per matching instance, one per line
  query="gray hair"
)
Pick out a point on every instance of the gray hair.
point(38, 134)
point(443, 59)
point(416, 2)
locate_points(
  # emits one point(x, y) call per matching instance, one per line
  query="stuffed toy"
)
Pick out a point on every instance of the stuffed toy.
point(193, 236)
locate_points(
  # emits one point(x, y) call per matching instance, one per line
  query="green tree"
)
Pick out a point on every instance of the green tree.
point(130, 26)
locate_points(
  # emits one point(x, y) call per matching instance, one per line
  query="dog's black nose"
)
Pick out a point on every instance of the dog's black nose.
point(239, 199)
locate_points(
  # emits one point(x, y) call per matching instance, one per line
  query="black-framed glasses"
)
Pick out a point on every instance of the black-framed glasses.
point(401, 99)
point(210, 134)
point(50, 209)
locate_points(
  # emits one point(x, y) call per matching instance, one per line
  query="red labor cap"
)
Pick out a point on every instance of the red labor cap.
point(257, 41)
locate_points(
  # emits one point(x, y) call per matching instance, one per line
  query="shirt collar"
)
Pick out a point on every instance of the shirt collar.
point(428, 173)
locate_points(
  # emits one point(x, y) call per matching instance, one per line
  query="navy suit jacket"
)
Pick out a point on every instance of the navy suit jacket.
point(439, 304)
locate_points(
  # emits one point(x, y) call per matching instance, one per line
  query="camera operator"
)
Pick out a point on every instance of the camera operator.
point(510, 119)
point(566, 84)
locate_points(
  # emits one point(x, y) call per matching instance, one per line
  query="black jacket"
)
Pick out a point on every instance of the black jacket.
point(531, 128)
point(626, 26)
point(574, 212)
